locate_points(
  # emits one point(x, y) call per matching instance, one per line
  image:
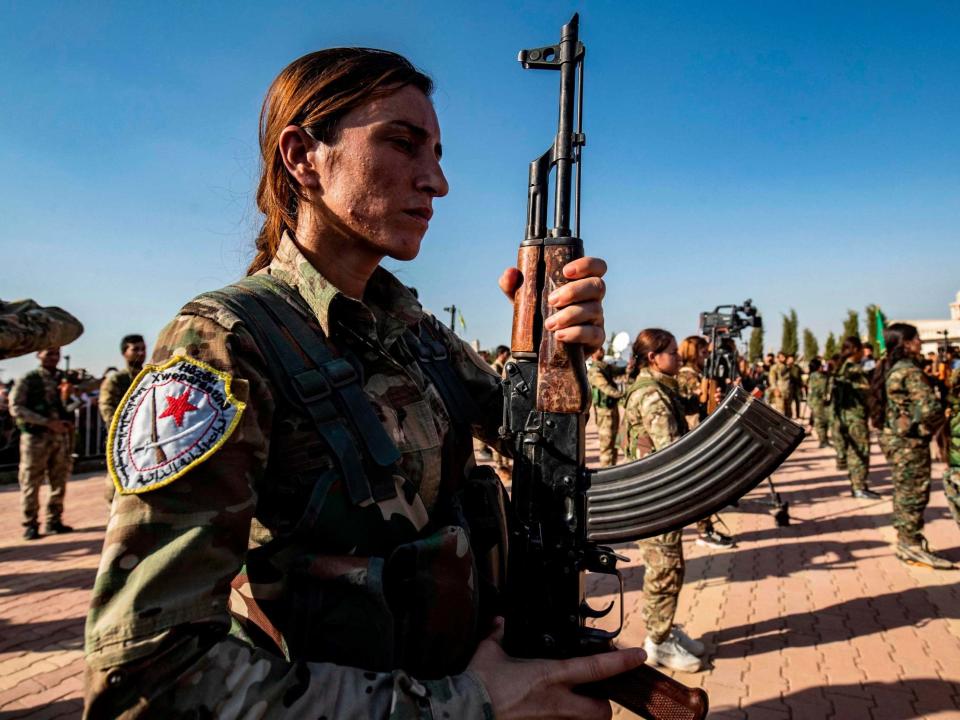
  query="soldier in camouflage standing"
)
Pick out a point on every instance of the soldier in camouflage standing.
point(296, 489)
point(780, 386)
point(46, 443)
point(655, 416)
point(116, 384)
point(606, 408)
point(795, 373)
point(849, 396)
point(904, 399)
point(816, 399)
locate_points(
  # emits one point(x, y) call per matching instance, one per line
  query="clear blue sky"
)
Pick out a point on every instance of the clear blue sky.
point(805, 155)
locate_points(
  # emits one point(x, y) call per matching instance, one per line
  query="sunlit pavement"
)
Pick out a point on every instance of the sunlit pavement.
point(815, 620)
point(818, 619)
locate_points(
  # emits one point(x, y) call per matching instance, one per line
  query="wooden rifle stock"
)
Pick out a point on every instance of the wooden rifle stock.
point(651, 694)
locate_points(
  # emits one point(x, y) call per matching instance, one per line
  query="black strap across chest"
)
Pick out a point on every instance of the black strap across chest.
point(309, 376)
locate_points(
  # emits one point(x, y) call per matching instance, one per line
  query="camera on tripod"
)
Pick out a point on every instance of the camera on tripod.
point(728, 320)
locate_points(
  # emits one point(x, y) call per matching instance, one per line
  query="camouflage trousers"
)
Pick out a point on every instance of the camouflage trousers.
point(910, 470)
point(839, 442)
point(44, 455)
point(608, 423)
point(820, 420)
point(662, 579)
point(951, 488)
point(856, 446)
point(782, 403)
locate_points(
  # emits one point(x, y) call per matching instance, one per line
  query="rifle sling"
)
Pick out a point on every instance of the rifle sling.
point(302, 367)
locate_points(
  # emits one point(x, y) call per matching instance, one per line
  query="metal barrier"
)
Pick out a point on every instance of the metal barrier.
point(90, 435)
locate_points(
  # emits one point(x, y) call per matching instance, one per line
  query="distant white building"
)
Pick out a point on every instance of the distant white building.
point(931, 331)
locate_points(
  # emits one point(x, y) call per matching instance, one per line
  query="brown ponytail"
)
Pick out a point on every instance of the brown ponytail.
point(315, 92)
point(651, 340)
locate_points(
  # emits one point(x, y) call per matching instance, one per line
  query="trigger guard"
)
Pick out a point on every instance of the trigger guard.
point(590, 612)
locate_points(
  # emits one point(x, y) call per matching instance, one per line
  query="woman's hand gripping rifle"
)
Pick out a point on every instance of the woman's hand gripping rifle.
point(547, 399)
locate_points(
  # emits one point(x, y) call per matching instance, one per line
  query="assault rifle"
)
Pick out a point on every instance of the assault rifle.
point(561, 511)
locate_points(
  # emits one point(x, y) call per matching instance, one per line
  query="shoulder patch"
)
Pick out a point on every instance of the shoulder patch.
point(172, 418)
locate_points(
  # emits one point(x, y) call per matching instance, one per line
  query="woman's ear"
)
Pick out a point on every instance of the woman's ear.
point(296, 148)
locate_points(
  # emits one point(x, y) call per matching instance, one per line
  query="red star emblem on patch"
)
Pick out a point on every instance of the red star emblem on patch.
point(177, 407)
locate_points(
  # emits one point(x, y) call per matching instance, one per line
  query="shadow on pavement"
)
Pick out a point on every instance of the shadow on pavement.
point(24, 583)
point(66, 633)
point(47, 550)
point(911, 699)
point(838, 623)
point(60, 709)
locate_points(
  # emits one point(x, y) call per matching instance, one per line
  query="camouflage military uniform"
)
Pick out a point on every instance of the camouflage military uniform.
point(35, 401)
point(26, 327)
point(780, 389)
point(606, 410)
point(254, 586)
point(951, 476)
point(654, 418)
point(913, 415)
point(849, 398)
point(689, 381)
point(837, 438)
point(816, 398)
point(112, 390)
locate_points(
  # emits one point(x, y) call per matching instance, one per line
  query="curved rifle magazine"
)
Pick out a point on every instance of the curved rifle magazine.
point(731, 452)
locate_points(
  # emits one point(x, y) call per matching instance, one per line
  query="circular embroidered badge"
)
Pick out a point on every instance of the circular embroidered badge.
point(173, 417)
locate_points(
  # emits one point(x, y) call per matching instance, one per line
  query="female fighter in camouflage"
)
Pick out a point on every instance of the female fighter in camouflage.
point(849, 397)
point(288, 539)
point(655, 416)
point(911, 416)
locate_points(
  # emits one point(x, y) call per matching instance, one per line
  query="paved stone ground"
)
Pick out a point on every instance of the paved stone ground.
point(817, 620)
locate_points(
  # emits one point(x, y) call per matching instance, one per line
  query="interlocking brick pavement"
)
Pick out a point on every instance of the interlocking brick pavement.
point(816, 620)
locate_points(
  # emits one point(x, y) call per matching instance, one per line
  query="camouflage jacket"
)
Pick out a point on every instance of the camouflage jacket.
point(604, 390)
point(817, 389)
point(655, 415)
point(112, 390)
point(780, 379)
point(316, 614)
point(913, 413)
point(26, 327)
point(35, 400)
point(849, 392)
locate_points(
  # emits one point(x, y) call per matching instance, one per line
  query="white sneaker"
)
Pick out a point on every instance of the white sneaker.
point(686, 642)
point(671, 655)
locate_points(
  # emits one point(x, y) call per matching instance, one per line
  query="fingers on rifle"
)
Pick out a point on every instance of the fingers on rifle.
point(509, 281)
point(584, 267)
point(582, 670)
point(578, 291)
point(590, 313)
point(590, 336)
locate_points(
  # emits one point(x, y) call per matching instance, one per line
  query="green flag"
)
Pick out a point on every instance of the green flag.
point(878, 332)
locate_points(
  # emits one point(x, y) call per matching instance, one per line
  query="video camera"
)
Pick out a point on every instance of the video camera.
point(721, 326)
point(728, 320)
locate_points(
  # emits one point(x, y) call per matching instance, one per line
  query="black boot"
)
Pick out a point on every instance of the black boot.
point(32, 532)
point(55, 526)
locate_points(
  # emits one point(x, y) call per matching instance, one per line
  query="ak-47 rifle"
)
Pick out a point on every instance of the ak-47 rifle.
point(561, 510)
